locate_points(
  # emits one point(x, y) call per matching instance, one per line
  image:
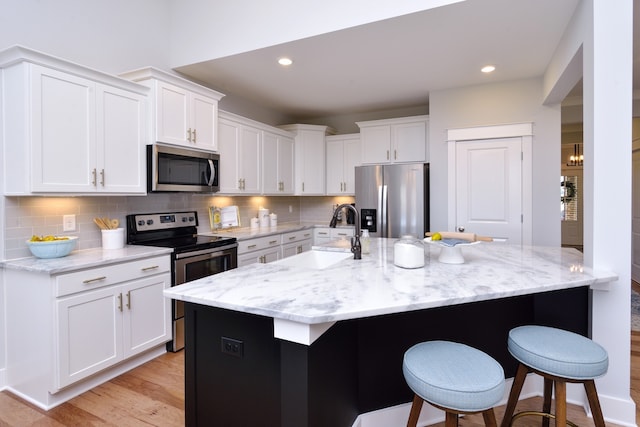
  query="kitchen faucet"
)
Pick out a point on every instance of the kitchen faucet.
point(356, 248)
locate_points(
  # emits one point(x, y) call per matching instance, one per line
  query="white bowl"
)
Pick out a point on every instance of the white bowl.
point(52, 248)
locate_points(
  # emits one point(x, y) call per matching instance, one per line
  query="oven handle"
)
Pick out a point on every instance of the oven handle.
point(213, 251)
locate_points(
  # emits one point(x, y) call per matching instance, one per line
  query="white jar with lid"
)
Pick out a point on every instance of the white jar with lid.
point(408, 252)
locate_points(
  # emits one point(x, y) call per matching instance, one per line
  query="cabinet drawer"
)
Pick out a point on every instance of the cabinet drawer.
point(94, 278)
point(296, 236)
point(258, 243)
point(342, 233)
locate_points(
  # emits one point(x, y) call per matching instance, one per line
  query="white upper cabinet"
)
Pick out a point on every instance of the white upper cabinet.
point(183, 113)
point(70, 130)
point(310, 161)
point(395, 140)
point(343, 155)
point(277, 163)
point(240, 159)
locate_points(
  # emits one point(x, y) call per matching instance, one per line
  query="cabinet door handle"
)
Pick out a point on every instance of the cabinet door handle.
point(395, 154)
point(129, 300)
point(251, 246)
point(299, 249)
point(94, 177)
point(303, 187)
point(120, 301)
point(387, 154)
point(102, 177)
point(189, 135)
point(194, 136)
point(292, 238)
point(97, 279)
point(273, 242)
point(153, 267)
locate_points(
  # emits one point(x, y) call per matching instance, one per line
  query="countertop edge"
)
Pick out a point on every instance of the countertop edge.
point(83, 259)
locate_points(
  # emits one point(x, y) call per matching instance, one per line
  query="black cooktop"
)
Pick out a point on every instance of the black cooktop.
point(177, 230)
point(191, 243)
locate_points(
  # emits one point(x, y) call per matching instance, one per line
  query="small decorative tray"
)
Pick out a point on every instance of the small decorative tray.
point(451, 249)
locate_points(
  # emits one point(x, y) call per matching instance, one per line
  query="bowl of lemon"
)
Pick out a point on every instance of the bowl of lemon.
point(51, 246)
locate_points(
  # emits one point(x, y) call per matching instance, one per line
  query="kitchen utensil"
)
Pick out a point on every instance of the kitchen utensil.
point(100, 223)
point(114, 223)
point(471, 237)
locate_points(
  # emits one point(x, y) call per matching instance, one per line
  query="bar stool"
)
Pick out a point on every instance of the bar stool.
point(455, 378)
point(560, 357)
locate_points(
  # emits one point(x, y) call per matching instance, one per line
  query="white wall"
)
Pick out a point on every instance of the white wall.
point(245, 25)
point(111, 36)
point(492, 104)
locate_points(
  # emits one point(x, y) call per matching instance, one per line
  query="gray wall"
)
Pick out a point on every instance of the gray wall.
point(493, 104)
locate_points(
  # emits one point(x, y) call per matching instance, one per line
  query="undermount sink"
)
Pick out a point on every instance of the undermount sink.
point(317, 260)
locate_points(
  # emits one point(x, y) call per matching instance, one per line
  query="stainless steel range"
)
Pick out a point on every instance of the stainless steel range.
point(193, 257)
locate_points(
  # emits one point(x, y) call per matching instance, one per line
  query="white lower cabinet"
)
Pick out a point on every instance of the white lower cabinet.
point(296, 242)
point(261, 249)
point(99, 328)
point(72, 331)
point(322, 235)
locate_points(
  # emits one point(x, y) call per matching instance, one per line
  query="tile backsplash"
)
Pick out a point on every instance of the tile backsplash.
point(26, 216)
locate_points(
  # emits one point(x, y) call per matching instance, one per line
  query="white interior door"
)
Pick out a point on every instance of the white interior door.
point(635, 225)
point(489, 188)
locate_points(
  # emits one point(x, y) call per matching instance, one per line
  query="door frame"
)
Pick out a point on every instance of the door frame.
point(516, 130)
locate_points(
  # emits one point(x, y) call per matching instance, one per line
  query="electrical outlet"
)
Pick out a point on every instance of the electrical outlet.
point(232, 347)
point(290, 208)
point(68, 223)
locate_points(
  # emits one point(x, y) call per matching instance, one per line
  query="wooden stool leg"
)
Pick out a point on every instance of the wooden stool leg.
point(594, 403)
point(451, 420)
point(489, 418)
point(561, 404)
point(546, 404)
point(514, 394)
point(416, 407)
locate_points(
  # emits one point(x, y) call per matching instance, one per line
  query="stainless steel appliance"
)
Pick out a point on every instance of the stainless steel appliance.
point(182, 169)
point(393, 200)
point(193, 257)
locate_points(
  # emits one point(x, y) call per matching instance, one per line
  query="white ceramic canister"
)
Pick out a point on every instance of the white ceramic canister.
point(113, 239)
point(408, 252)
point(273, 220)
point(263, 216)
point(255, 223)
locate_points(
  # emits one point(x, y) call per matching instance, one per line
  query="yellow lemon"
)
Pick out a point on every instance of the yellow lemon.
point(436, 236)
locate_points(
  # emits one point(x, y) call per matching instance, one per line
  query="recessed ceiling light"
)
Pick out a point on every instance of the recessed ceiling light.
point(285, 61)
point(488, 68)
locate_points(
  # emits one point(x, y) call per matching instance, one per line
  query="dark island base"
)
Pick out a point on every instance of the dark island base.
point(355, 367)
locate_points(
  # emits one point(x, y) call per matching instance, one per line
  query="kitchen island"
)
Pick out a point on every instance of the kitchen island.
point(292, 344)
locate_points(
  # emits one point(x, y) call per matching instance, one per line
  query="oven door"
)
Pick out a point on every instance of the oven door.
point(198, 264)
point(192, 266)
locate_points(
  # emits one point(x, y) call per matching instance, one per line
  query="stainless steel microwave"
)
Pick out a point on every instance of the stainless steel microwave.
point(181, 169)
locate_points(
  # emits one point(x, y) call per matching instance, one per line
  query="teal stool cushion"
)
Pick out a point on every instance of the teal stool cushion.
point(454, 376)
point(558, 352)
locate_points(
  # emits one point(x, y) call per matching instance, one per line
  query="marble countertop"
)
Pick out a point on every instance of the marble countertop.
point(245, 233)
point(81, 259)
point(375, 286)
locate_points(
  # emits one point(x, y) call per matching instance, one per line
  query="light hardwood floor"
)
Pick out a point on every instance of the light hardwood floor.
point(153, 395)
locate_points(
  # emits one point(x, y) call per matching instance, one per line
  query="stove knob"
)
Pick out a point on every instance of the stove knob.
point(141, 222)
point(149, 222)
point(184, 219)
point(191, 219)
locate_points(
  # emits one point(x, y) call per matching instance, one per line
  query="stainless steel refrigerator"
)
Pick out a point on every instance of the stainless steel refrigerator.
point(393, 200)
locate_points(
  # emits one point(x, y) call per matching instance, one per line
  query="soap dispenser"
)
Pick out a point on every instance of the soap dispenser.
point(365, 241)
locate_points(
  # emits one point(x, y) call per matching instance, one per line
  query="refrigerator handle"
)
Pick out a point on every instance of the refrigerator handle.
point(384, 220)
